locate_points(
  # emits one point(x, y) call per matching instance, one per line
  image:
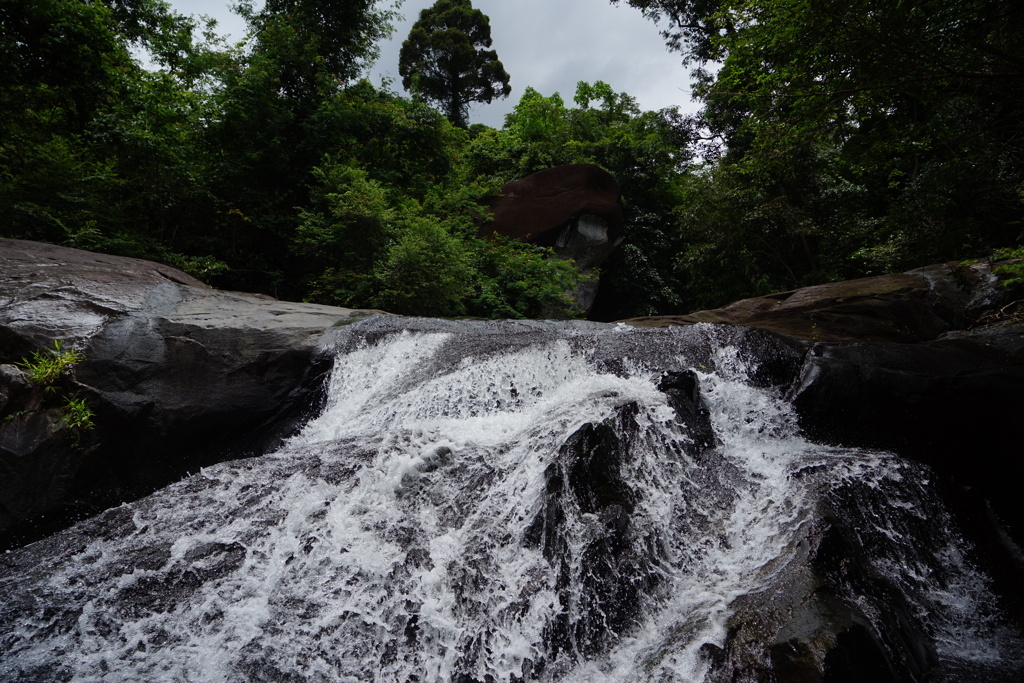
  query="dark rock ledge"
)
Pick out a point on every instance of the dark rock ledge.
point(178, 374)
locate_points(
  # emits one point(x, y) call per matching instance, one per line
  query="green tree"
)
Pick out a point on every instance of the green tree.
point(520, 280)
point(95, 151)
point(858, 137)
point(427, 271)
point(310, 44)
point(281, 109)
point(343, 234)
point(445, 59)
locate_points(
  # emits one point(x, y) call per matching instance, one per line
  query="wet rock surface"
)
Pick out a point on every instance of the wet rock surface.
point(683, 391)
point(915, 306)
point(178, 375)
point(953, 403)
point(525, 501)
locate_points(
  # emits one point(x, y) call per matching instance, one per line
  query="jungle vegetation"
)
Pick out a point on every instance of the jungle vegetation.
point(835, 140)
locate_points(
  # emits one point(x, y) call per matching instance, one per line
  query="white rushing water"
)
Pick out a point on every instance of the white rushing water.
point(432, 524)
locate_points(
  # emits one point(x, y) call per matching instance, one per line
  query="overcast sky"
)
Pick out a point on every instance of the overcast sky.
point(547, 44)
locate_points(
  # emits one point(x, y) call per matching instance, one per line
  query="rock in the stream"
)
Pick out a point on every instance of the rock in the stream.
point(178, 375)
point(620, 576)
point(955, 404)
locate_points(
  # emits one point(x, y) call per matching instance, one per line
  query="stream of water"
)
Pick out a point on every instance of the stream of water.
point(489, 502)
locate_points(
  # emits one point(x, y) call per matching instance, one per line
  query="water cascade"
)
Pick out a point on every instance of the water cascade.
point(522, 502)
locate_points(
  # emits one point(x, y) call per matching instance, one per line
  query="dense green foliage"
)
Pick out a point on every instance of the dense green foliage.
point(444, 60)
point(854, 137)
point(836, 140)
point(94, 151)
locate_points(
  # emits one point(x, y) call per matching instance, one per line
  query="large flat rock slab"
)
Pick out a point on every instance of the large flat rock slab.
point(176, 372)
point(915, 306)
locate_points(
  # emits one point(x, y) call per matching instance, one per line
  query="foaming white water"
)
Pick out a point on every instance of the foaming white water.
point(752, 538)
point(528, 509)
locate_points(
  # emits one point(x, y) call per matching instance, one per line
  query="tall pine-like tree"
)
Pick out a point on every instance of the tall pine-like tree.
point(445, 60)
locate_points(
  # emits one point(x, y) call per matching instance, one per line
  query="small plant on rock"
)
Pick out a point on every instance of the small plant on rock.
point(46, 366)
point(77, 415)
point(1012, 272)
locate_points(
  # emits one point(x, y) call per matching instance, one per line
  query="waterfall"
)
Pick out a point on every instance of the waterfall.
point(510, 502)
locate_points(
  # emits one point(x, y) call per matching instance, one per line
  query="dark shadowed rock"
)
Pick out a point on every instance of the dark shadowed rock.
point(575, 209)
point(683, 391)
point(588, 474)
point(178, 374)
point(954, 403)
point(904, 307)
point(830, 618)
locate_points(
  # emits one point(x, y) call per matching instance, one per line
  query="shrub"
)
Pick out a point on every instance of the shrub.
point(426, 271)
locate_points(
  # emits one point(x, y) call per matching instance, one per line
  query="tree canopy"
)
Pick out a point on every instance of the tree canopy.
point(857, 137)
point(836, 140)
point(445, 60)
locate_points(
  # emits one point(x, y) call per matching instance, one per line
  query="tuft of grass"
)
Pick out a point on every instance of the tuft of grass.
point(1012, 273)
point(77, 414)
point(46, 366)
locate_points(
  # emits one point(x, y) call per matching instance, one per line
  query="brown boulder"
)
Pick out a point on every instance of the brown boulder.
point(575, 209)
point(540, 206)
